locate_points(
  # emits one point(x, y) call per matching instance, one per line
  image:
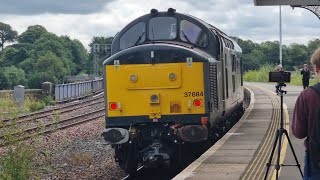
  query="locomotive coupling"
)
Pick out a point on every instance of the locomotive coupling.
point(115, 135)
point(156, 156)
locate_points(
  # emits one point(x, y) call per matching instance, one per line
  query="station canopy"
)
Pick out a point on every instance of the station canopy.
point(287, 2)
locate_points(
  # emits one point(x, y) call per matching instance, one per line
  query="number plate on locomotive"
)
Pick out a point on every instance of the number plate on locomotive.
point(193, 94)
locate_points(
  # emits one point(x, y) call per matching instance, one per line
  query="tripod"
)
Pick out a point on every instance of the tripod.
point(278, 138)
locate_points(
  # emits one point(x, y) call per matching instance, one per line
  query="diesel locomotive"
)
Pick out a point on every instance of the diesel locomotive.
point(172, 79)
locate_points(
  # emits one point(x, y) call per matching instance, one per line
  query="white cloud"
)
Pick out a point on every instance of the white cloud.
point(235, 17)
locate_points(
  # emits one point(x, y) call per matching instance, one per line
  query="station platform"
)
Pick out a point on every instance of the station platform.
point(244, 151)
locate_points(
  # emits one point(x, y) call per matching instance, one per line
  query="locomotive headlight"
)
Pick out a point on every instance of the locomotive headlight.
point(172, 76)
point(133, 78)
point(154, 98)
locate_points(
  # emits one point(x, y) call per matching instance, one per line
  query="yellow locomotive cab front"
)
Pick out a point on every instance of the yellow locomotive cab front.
point(154, 90)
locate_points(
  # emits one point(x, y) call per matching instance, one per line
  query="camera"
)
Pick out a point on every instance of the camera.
point(279, 76)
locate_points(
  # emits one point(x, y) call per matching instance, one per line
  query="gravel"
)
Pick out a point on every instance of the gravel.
point(77, 153)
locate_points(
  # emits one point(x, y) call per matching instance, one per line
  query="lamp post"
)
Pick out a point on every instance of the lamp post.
point(280, 27)
point(280, 32)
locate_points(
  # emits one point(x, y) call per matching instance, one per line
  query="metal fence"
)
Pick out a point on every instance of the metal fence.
point(70, 91)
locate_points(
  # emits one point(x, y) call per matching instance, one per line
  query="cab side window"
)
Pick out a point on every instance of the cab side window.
point(135, 35)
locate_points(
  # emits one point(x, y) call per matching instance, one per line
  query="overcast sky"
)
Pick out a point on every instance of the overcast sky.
point(83, 19)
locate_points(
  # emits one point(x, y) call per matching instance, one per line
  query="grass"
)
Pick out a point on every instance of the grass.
point(9, 109)
point(17, 164)
point(262, 75)
point(20, 159)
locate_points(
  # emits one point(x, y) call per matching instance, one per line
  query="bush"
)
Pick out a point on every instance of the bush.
point(36, 105)
point(296, 79)
point(261, 75)
point(17, 163)
point(48, 100)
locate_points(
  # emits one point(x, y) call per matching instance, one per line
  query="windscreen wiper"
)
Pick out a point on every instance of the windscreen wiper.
point(139, 39)
point(186, 37)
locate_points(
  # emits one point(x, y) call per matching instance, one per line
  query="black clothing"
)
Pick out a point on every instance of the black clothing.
point(305, 78)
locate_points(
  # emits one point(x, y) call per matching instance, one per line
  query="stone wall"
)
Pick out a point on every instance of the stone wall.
point(31, 93)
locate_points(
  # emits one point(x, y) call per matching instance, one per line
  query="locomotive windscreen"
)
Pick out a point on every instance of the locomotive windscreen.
point(163, 28)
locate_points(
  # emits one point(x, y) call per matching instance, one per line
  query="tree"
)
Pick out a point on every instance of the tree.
point(11, 76)
point(270, 51)
point(48, 67)
point(313, 45)
point(247, 46)
point(13, 56)
point(32, 34)
point(297, 55)
point(6, 34)
point(78, 52)
point(4, 80)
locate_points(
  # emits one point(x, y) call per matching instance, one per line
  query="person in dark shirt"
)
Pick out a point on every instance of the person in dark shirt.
point(305, 72)
point(303, 116)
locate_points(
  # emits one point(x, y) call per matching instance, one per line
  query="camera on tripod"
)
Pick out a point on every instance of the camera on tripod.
point(279, 76)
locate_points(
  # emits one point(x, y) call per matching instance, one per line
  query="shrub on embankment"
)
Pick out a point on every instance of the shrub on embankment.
point(262, 75)
point(21, 160)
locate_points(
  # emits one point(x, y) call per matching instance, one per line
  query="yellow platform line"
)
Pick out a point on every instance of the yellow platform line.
point(256, 166)
point(265, 157)
point(252, 171)
point(285, 142)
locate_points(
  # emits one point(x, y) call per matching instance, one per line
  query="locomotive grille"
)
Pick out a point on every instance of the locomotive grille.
point(213, 84)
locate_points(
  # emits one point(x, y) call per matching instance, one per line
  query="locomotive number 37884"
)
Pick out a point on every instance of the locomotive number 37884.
point(193, 94)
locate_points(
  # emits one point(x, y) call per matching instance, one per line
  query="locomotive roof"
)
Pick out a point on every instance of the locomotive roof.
point(176, 15)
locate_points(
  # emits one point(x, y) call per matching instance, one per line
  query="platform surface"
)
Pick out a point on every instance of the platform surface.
point(244, 151)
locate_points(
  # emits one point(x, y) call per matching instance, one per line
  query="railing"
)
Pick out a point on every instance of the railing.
point(70, 91)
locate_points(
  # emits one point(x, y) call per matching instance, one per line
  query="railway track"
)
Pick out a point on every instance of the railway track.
point(45, 113)
point(47, 121)
point(155, 174)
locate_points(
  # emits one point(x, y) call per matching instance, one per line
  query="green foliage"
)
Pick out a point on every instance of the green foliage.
point(260, 75)
point(11, 76)
point(32, 34)
point(17, 164)
point(313, 45)
point(48, 100)
point(78, 53)
point(296, 79)
point(4, 80)
point(43, 56)
point(36, 106)
point(6, 34)
point(254, 55)
point(20, 160)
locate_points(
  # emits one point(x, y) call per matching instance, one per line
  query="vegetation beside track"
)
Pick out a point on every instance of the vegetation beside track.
point(262, 75)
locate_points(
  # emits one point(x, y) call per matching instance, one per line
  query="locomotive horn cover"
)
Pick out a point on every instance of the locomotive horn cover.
point(193, 133)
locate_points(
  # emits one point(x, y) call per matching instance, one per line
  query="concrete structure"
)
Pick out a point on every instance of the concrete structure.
point(310, 5)
point(47, 88)
point(286, 2)
point(19, 94)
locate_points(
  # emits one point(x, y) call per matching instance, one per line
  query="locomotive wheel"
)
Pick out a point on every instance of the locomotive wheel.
point(127, 159)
